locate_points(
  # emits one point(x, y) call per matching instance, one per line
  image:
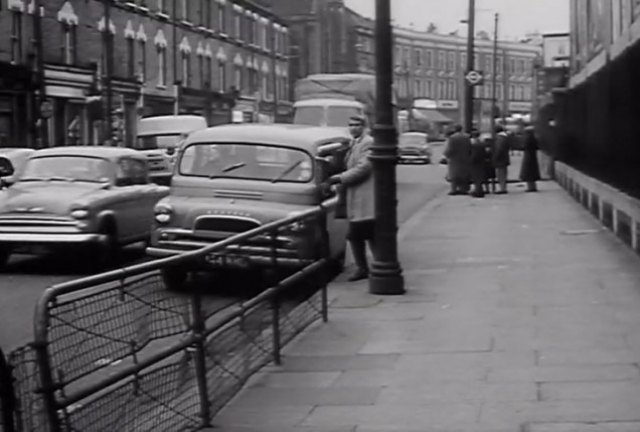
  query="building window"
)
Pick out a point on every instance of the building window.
point(429, 89)
point(222, 76)
point(208, 72)
point(142, 60)
point(186, 69)
point(499, 92)
point(487, 91)
point(162, 6)
point(512, 66)
point(185, 9)
point(442, 60)
point(237, 25)
point(131, 57)
point(451, 90)
point(488, 63)
point(265, 85)
point(527, 94)
point(499, 65)
point(237, 79)
point(428, 59)
point(418, 55)
point(162, 66)
point(222, 18)
point(463, 61)
point(452, 61)
point(442, 90)
point(418, 88)
point(16, 36)
point(512, 92)
point(69, 44)
point(201, 70)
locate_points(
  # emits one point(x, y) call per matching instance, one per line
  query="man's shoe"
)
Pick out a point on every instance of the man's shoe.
point(358, 275)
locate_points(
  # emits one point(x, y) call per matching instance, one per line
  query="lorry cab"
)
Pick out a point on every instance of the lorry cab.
point(326, 112)
point(160, 136)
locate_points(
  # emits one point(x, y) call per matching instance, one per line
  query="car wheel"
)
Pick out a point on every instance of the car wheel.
point(174, 278)
point(5, 254)
point(106, 253)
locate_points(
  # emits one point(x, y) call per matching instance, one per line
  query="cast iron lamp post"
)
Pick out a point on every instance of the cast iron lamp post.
point(386, 274)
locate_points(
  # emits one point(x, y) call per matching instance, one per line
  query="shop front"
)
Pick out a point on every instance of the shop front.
point(67, 89)
point(244, 110)
point(16, 120)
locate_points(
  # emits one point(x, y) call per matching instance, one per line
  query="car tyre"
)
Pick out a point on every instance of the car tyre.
point(174, 278)
point(5, 254)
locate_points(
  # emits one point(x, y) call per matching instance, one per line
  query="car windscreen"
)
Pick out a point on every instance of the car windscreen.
point(246, 161)
point(411, 141)
point(309, 115)
point(67, 168)
point(154, 142)
point(338, 116)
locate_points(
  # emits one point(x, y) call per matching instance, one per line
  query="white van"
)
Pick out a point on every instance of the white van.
point(326, 112)
point(159, 137)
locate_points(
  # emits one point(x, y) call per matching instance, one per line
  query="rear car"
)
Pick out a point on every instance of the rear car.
point(235, 178)
point(413, 147)
point(158, 139)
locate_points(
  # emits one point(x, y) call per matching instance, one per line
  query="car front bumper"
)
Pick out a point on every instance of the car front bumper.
point(259, 252)
point(50, 238)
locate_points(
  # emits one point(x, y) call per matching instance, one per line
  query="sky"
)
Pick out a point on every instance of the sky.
point(517, 17)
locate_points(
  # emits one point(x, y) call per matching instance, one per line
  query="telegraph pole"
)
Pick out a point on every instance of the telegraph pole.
point(469, 87)
point(386, 275)
point(41, 122)
point(107, 40)
point(494, 75)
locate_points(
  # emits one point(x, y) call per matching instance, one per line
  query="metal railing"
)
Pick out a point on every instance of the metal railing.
point(7, 396)
point(118, 351)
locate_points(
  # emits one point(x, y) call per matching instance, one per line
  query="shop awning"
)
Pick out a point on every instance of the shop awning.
point(432, 115)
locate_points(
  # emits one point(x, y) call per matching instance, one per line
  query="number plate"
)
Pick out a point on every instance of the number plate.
point(218, 260)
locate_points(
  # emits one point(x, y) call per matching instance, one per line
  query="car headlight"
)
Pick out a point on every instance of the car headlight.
point(80, 213)
point(163, 213)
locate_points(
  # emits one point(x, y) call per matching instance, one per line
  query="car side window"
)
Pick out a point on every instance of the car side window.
point(131, 172)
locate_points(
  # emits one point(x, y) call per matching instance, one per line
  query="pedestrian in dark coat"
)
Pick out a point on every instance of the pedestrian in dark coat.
point(529, 170)
point(478, 160)
point(458, 154)
point(500, 158)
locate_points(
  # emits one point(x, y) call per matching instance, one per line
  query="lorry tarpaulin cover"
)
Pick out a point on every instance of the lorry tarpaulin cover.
point(359, 87)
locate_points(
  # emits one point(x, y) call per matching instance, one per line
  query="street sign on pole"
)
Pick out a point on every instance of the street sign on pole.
point(474, 77)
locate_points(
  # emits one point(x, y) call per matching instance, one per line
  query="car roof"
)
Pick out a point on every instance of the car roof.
point(15, 151)
point(91, 151)
point(416, 134)
point(329, 102)
point(300, 136)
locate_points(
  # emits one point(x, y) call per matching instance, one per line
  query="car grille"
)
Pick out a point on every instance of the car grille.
point(225, 224)
point(41, 220)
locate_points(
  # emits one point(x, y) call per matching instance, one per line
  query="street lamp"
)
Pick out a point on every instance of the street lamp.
point(386, 274)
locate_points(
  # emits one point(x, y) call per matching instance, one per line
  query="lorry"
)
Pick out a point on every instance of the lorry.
point(159, 137)
point(330, 99)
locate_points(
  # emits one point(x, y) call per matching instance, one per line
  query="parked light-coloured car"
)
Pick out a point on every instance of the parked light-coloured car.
point(95, 197)
point(233, 178)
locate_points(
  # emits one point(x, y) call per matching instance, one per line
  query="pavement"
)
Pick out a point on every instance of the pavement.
point(521, 314)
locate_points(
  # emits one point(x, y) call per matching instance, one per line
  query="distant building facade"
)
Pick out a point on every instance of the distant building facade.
point(431, 66)
point(209, 57)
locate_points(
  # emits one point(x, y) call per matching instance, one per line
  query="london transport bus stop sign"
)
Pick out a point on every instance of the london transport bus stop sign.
point(474, 77)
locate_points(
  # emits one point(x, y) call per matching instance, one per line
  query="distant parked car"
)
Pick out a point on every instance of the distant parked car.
point(12, 159)
point(414, 147)
point(94, 197)
point(234, 178)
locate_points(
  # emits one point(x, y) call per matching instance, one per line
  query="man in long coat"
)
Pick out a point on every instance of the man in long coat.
point(500, 158)
point(458, 154)
point(357, 181)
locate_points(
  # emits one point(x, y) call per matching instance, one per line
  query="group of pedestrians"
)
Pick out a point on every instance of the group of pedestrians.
point(484, 163)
